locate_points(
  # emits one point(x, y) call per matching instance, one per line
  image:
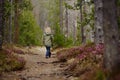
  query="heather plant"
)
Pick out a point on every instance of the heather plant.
point(69, 53)
point(9, 49)
point(81, 52)
point(86, 58)
point(10, 62)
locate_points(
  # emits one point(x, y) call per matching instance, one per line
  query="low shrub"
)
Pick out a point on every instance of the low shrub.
point(86, 59)
point(10, 62)
point(81, 52)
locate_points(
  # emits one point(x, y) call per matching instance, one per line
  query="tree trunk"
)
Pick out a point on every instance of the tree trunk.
point(74, 32)
point(82, 8)
point(118, 16)
point(81, 20)
point(10, 23)
point(98, 21)
point(16, 25)
point(1, 22)
point(61, 15)
point(110, 28)
point(66, 21)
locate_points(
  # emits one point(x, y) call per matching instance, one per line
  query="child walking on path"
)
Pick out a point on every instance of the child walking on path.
point(47, 40)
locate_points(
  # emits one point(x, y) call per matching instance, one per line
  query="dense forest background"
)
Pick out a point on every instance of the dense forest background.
point(74, 19)
point(92, 24)
point(24, 18)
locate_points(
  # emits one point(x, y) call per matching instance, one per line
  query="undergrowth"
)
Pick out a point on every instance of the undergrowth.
point(10, 62)
point(85, 60)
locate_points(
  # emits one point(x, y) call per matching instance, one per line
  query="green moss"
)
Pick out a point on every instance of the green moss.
point(100, 75)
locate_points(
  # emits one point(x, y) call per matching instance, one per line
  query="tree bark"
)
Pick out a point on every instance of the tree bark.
point(66, 21)
point(74, 32)
point(98, 21)
point(61, 15)
point(82, 10)
point(81, 20)
point(110, 28)
point(10, 23)
point(16, 25)
point(118, 16)
point(1, 22)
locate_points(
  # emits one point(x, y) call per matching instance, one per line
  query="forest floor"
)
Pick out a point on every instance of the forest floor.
point(38, 67)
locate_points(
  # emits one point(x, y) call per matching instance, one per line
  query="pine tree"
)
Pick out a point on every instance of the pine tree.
point(110, 28)
point(98, 21)
point(1, 22)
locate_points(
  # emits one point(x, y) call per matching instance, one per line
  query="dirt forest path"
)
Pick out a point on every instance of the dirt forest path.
point(39, 68)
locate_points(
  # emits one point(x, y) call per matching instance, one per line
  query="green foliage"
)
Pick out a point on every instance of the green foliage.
point(68, 6)
point(8, 7)
point(88, 42)
point(59, 39)
point(100, 75)
point(26, 5)
point(54, 19)
point(118, 2)
point(53, 13)
point(30, 32)
point(69, 42)
point(87, 18)
point(79, 4)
